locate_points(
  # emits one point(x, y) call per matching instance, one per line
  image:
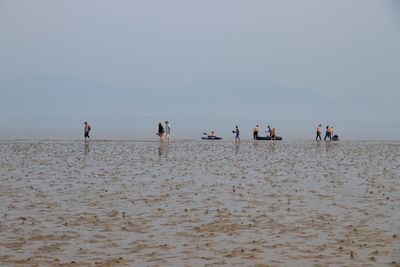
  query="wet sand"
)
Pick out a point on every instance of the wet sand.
point(199, 203)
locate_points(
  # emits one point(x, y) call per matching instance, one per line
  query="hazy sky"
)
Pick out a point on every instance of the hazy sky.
point(126, 65)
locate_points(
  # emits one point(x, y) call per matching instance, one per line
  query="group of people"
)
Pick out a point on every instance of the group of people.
point(328, 133)
point(271, 132)
point(166, 131)
point(236, 132)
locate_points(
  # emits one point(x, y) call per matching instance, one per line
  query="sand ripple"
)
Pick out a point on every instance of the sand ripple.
point(199, 204)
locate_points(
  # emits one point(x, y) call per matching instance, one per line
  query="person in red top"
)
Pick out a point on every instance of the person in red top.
point(318, 132)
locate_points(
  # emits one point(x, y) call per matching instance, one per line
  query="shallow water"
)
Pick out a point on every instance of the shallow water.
point(199, 203)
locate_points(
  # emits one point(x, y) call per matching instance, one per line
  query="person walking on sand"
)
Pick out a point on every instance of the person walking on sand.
point(237, 133)
point(160, 132)
point(168, 130)
point(318, 133)
point(86, 130)
point(255, 132)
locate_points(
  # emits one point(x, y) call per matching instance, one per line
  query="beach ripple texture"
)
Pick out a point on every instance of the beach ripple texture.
point(199, 203)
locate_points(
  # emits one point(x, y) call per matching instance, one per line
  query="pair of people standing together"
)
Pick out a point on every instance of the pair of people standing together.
point(162, 131)
point(328, 133)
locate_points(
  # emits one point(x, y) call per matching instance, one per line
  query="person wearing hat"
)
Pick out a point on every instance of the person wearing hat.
point(168, 130)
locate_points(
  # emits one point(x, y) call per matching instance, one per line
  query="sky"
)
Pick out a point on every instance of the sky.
point(203, 65)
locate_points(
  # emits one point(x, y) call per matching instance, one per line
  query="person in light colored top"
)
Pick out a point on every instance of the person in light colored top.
point(255, 132)
point(318, 133)
point(330, 133)
point(168, 130)
point(273, 133)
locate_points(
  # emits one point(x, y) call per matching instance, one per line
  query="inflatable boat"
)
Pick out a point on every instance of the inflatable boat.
point(211, 138)
point(277, 138)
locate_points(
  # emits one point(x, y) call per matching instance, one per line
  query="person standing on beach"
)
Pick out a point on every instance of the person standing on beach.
point(330, 133)
point(273, 133)
point(327, 134)
point(255, 132)
point(318, 132)
point(168, 130)
point(86, 130)
point(269, 131)
point(237, 133)
point(160, 132)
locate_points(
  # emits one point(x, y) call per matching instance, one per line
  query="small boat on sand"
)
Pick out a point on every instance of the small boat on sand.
point(277, 138)
point(211, 138)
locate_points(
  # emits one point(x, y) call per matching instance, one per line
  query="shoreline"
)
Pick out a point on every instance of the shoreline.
point(187, 140)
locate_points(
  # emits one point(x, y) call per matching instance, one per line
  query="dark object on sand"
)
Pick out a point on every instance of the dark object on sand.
point(277, 138)
point(211, 138)
point(335, 138)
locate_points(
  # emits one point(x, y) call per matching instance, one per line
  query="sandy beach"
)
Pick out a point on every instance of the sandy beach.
point(210, 203)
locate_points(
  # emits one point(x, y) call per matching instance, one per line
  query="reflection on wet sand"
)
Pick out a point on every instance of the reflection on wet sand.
point(86, 148)
point(163, 149)
point(237, 145)
point(199, 203)
point(328, 146)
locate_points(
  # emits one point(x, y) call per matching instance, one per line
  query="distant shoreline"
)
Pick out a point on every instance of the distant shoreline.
point(186, 140)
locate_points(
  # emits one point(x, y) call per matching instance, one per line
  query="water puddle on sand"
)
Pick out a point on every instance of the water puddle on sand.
point(199, 204)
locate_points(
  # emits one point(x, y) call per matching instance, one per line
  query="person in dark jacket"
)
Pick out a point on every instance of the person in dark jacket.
point(160, 132)
point(86, 130)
